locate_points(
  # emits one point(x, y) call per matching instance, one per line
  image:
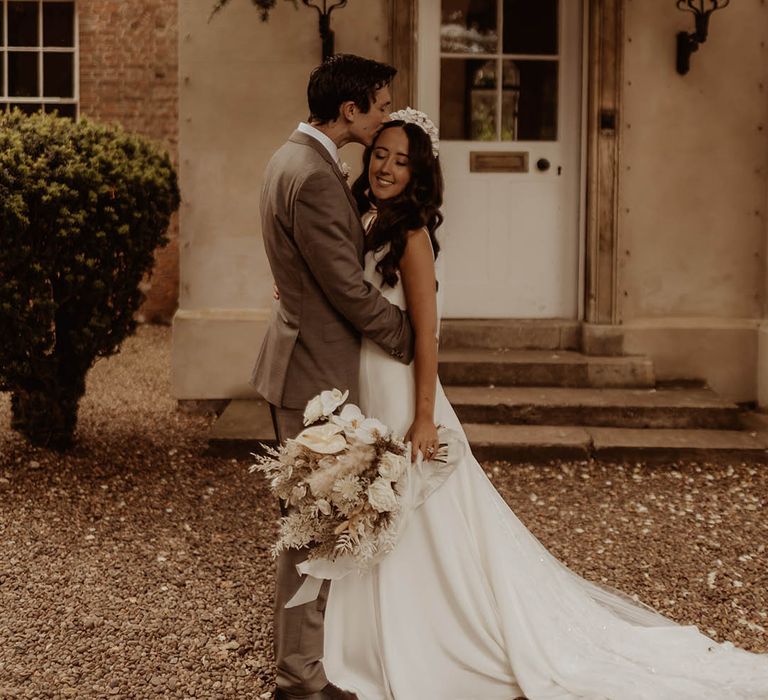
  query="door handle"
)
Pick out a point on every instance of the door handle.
point(542, 164)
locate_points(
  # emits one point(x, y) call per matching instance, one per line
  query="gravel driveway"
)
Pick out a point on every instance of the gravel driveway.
point(135, 567)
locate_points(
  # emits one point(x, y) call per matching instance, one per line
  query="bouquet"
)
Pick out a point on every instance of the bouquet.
point(349, 485)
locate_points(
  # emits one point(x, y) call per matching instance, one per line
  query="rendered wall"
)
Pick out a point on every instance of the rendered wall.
point(762, 374)
point(242, 93)
point(693, 185)
point(694, 168)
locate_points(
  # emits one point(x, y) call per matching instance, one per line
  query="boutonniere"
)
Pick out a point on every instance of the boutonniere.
point(345, 171)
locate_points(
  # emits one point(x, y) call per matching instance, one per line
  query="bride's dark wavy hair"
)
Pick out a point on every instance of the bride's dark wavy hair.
point(417, 206)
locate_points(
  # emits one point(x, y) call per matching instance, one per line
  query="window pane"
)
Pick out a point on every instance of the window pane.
point(468, 100)
point(69, 111)
point(529, 101)
point(469, 26)
point(27, 108)
point(58, 75)
point(22, 74)
point(2, 73)
point(58, 24)
point(22, 24)
point(530, 26)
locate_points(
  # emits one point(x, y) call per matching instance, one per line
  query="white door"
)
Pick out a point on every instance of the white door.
point(502, 78)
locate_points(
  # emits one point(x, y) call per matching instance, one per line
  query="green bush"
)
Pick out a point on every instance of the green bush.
point(82, 208)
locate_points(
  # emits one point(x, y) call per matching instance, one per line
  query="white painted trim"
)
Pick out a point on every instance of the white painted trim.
point(4, 53)
point(222, 314)
point(504, 56)
point(427, 91)
point(581, 310)
point(76, 39)
point(41, 50)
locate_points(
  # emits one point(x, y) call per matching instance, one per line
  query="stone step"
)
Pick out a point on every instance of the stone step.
point(239, 430)
point(622, 408)
point(542, 334)
point(542, 368)
point(245, 424)
point(541, 443)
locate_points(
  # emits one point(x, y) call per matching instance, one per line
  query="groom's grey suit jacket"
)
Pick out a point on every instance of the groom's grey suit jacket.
point(314, 241)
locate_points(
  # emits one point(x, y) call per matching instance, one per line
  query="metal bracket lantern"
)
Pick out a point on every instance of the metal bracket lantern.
point(688, 43)
point(324, 15)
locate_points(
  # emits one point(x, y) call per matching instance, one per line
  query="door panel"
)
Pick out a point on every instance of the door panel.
point(503, 77)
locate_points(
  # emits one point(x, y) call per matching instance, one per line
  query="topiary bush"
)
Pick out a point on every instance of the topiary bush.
point(83, 207)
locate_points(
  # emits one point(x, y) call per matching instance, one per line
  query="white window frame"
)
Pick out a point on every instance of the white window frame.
point(5, 98)
point(498, 57)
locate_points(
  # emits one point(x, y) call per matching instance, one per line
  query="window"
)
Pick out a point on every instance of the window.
point(38, 56)
point(499, 85)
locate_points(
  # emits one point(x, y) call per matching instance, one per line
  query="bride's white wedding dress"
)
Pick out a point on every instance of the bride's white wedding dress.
point(470, 606)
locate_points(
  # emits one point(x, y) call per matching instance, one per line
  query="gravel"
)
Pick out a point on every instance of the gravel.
point(135, 566)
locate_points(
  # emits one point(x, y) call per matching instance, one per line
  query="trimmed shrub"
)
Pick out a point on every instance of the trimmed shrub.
point(82, 208)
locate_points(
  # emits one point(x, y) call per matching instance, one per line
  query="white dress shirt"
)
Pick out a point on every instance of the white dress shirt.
point(318, 135)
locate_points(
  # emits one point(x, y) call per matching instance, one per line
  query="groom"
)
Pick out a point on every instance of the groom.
point(314, 242)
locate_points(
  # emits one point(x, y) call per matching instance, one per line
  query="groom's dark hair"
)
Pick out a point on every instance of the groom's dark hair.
point(344, 78)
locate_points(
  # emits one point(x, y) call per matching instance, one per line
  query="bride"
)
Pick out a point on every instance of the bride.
point(469, 605)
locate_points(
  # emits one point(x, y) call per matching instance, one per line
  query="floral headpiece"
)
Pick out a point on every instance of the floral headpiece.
point(414, 116)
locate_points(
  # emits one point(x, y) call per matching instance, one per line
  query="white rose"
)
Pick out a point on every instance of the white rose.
point(391, 466)
point(314, 410)
point(324, 439)
point(381, 496)
point(331, 400)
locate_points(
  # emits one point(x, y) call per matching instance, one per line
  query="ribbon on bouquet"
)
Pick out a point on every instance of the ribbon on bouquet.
point(308, 591)
point(421, 480)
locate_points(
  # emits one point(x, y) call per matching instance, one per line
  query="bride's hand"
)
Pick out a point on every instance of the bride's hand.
point(423, 437)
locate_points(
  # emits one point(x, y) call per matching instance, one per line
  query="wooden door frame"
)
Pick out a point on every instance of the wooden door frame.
point(402, 16)
point(604, 102)
point(605, 34)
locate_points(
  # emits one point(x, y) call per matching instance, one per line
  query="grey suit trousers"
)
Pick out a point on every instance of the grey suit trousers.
point(298, 632)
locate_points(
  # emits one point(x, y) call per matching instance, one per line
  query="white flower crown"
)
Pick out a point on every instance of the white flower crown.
point(414, 116)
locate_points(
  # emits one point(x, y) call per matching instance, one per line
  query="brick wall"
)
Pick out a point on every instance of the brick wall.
point(129, 75)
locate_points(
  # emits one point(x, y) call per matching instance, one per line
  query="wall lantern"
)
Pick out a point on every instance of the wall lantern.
point(326, 33)
point(688, 43)
point(324, 14)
